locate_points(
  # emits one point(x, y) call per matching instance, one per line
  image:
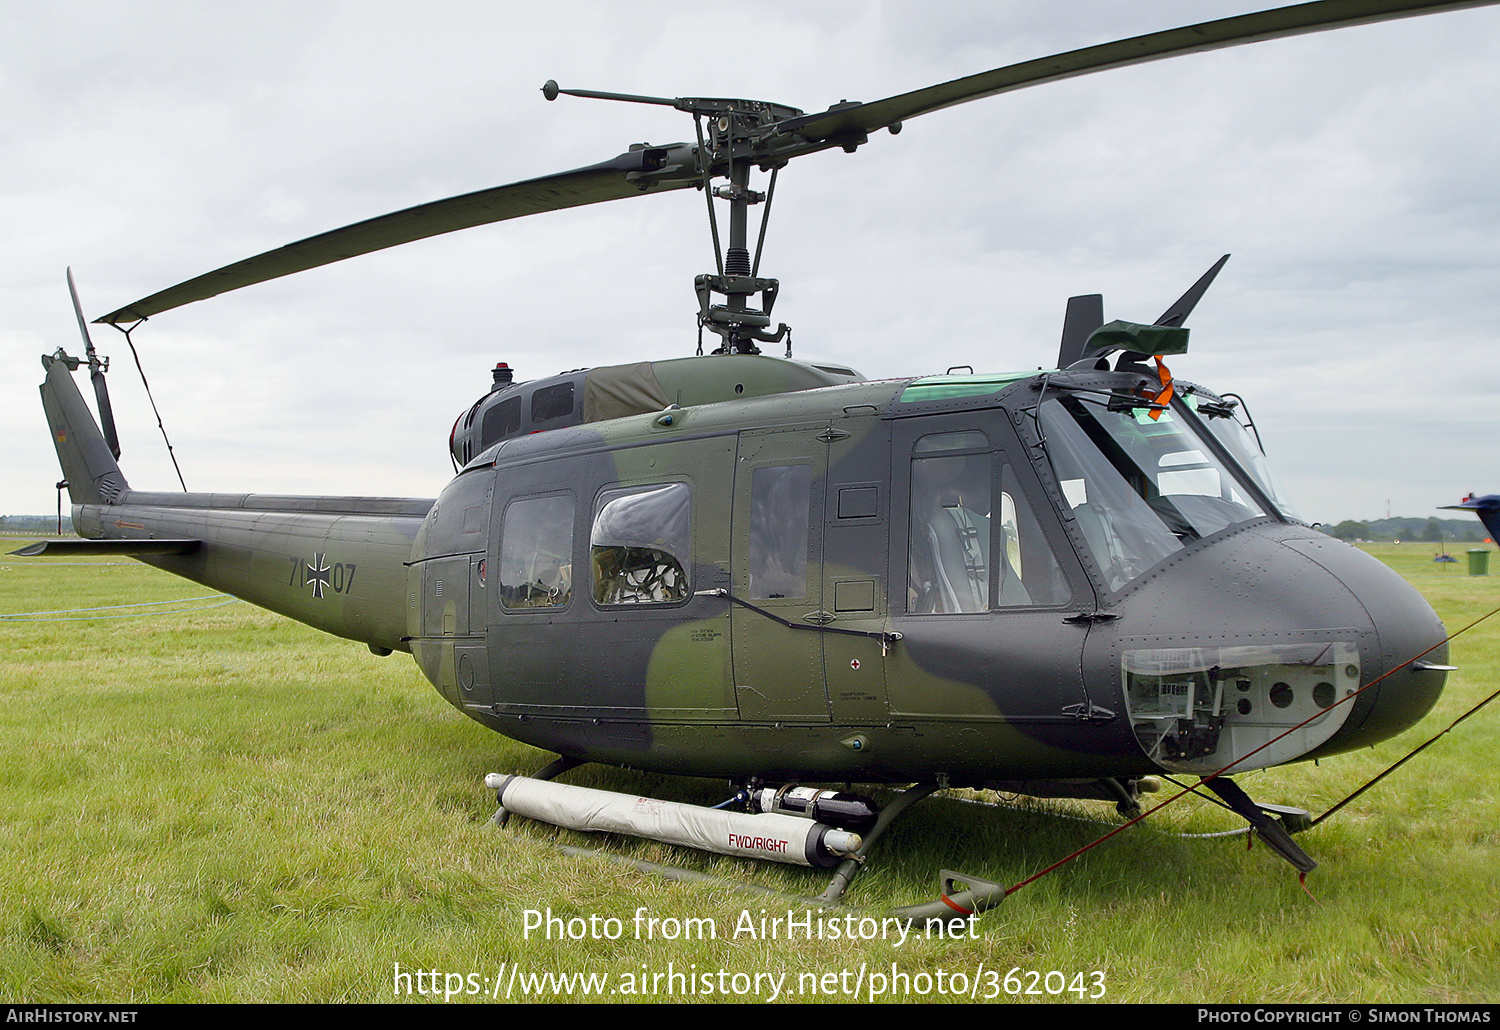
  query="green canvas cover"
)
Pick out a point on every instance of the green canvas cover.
point(620, 390)
point(1132, 336)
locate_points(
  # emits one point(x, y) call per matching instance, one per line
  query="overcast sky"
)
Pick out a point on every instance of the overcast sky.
point(1351, 174)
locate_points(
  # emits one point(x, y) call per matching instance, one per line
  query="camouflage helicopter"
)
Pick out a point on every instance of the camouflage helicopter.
point(731, 564)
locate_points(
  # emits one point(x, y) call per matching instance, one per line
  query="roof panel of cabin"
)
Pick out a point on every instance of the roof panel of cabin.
point(726, 377)
point(941, 388)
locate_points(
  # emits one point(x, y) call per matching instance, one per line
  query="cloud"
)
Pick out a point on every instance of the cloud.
point(1347, 171)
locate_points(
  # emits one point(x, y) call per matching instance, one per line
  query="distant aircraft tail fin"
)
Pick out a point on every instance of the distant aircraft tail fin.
point(1487, 508)
point(92, 474)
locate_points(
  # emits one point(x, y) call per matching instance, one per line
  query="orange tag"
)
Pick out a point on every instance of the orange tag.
point(1165, 396)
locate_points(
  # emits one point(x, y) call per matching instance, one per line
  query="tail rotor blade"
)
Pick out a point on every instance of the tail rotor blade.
point(83, 324)
point(97, 367)
point(106, 412)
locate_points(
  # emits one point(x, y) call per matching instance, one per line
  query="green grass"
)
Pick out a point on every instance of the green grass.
point(223, 806)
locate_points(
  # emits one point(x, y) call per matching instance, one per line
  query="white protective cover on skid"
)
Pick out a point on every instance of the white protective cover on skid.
point(780, 838)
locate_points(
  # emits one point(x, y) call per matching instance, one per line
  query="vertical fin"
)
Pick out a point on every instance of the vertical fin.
point(90, 468)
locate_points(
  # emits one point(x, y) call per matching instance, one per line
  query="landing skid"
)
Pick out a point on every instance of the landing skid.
point(552, 770)
point(960, 897)
point(1275, 824)
point(795, 840)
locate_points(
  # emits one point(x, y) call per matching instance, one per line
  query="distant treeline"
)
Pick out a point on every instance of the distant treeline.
point(32, 524)
point(1428, 530)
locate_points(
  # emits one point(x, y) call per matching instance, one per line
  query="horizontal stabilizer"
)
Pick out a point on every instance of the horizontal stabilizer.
point(78, 546)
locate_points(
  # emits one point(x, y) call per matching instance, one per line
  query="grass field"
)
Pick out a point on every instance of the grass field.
point(219, 805)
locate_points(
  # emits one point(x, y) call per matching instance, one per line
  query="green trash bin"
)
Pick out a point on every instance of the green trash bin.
point(1479, 561)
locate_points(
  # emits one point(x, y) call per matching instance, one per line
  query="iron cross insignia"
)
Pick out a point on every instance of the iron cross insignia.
point(317, 573)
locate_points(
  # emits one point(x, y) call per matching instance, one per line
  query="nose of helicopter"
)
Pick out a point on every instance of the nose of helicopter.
point(1404, 673)
point(1276, 644)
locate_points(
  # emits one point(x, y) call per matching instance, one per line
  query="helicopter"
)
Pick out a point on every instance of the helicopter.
point(1486, 507)
point(732, 564)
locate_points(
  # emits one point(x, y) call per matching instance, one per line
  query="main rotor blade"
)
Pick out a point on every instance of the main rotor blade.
point(658, 169)
point(627, 175)
point(1213, 35)
point(1083, 315)
point(1178, 313)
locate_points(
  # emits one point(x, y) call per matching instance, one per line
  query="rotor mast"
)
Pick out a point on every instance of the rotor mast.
point(728, 147)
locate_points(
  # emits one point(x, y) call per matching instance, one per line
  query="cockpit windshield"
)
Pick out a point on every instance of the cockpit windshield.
point(1140, 488)
point(1239, 440)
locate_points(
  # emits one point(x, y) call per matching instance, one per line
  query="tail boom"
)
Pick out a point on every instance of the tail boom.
point(336, 563)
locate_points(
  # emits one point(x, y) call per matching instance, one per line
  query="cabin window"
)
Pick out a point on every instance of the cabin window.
point(640, 545)
point(951, 504)
point(1029, 572)
point(970, 548)
point(501, 421)
point(536, 553)
point(780, 502)
point(551, 402)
